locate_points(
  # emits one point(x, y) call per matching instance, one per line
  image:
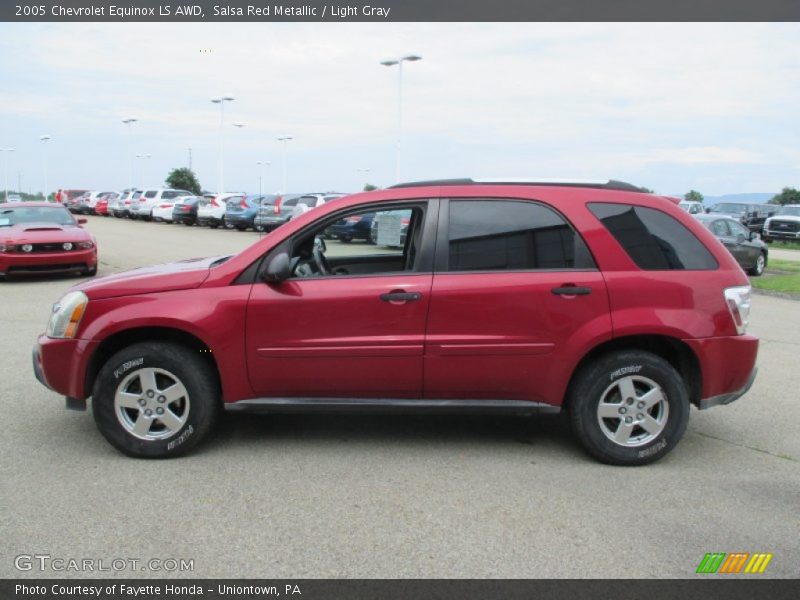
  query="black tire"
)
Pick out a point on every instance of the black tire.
point(91, 272)
point(591, 385)
point(188, 223)
point(757, 270)
point(345, 239)
point(186, 367)
point(259, 228)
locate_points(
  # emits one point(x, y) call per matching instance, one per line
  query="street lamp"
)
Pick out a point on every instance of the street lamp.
point(5, 170)
point(130, 121)
point(261, 164)
point(284, 139)
point(366, 175)
point(221, 100)
point(44, 139)
point(141, 169)
point(390, 62)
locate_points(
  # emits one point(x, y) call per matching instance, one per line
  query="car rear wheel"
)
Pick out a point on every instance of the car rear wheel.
point(155, 400)
point(758, 268)
point(629, 408)
point(345, 239)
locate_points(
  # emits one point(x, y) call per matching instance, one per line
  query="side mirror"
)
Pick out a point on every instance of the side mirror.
point(82, 220)
point(279, 269)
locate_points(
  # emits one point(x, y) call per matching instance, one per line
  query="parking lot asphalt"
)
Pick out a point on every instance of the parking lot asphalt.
point(389, 496)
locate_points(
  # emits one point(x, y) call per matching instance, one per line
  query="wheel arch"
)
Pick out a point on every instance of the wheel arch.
point(127, 337)
point(676, 352)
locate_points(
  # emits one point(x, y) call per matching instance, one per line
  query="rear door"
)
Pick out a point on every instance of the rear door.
point(515, 292)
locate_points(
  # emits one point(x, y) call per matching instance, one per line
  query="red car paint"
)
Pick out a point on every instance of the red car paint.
point(44, 260)
point(101, 208)
point(482, 335)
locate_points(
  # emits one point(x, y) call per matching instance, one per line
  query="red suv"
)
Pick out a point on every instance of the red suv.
point(593, 298)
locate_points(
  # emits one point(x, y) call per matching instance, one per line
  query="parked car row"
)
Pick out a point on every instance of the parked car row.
point(232, 210)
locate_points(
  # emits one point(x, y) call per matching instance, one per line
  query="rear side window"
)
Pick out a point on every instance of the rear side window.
point(499, 235)
point(654, 240)
point(150, 194)
point(168, 195)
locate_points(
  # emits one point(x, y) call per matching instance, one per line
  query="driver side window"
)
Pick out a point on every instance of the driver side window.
point(369, 241)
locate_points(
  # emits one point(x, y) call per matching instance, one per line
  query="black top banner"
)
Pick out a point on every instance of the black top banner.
point(398, 10)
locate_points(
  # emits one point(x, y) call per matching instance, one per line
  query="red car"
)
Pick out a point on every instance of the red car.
point(43, 237)
point(589, 297)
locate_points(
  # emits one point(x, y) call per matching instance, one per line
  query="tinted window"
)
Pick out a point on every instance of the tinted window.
point(307, 200)
point(737, 229)
point(494, 235)
point(720, 228)
point(653, 239)
point(168, 195)
point(150, 194)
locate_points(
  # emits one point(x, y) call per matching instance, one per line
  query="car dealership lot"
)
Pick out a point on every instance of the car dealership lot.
point(390, 496)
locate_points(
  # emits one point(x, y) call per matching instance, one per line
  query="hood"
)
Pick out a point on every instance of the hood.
point(43, 233)
point(794, 218)
point(183, 275)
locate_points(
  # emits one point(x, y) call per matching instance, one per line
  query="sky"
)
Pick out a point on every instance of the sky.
point(712, 107)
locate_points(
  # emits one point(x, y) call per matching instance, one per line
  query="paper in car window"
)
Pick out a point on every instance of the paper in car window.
point(389, 229)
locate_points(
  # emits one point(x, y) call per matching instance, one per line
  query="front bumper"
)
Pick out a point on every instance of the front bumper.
point(48, 262)
point(781, 235)
point(61, 365)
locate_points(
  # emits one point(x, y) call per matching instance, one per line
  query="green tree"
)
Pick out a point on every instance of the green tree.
point(646, 190)
point(787, 196)
point(693, 196)
point(183, 179)
point(368, 187)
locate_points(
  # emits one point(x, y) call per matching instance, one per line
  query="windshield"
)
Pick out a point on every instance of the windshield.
point(791, 211)
point(36, 214)
point(727, 207)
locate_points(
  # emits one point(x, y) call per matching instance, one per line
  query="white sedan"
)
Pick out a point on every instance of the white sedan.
point(163, 210)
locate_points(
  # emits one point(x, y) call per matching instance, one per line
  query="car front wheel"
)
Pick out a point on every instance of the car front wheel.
point(629, 408)
point(155, 400)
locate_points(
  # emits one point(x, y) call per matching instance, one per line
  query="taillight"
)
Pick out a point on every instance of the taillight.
point(214, 201)
point(738, 301)
point(277, 207)
point(243, 203)
point(353, 219)
point(142, 199)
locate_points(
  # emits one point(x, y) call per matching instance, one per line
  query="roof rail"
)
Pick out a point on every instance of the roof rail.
point(606, 184)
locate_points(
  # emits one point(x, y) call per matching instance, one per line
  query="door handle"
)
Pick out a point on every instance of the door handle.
point(400, 296)
point(571, 290)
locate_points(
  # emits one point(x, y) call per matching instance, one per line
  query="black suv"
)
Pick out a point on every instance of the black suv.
point(751, 216)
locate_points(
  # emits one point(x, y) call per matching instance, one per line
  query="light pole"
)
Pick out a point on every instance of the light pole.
point(5, 169)
point(44, 139)
point(284, 139)
point(366, 175)
point(141, 169)
point(261, 164)
point(221, 100)
point(130, 121)
point(390, 62)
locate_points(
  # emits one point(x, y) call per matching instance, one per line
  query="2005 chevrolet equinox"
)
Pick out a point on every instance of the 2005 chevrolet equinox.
point(593, 298)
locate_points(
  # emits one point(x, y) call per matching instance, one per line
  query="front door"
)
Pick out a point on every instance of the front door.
point(350, 322)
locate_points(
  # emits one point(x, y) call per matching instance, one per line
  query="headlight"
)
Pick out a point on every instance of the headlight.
point(85, 245)
point(6, 247)
point(66, 246)
point(66, 316)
